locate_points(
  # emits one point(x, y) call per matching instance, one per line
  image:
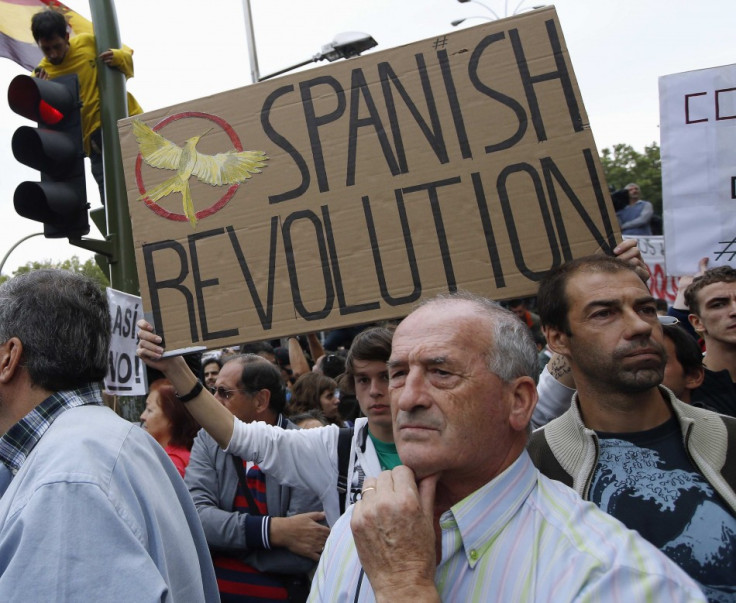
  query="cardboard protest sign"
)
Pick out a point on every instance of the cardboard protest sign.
point(660, 284)
point(698, 125)
point(344, 194)
point(126, 374)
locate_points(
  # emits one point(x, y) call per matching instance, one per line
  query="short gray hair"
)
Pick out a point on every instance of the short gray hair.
point(62, 319)
point(512, 353)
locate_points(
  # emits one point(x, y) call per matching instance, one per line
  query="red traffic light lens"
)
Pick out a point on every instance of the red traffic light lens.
point(49, 114)
point(47, 102)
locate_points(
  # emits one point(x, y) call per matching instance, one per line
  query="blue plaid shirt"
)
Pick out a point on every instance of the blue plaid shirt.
point(19, 440)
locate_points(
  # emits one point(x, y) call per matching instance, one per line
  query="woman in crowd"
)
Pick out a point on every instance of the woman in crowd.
point(315, 390)
point(309, 420)
point(169, 422)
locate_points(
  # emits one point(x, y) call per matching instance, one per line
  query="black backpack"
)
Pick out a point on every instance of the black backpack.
point(343, 461)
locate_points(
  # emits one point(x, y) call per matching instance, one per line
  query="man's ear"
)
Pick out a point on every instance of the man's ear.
point(262, 398)
point(10, 354)
point(694, 378)
point(524, 392)
point(558, 341)
point(696, 323)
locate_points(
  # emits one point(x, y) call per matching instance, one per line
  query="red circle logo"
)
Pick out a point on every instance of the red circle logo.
point(222, 201)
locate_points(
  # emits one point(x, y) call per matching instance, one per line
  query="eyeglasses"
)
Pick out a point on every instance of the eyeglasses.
point(225, 394)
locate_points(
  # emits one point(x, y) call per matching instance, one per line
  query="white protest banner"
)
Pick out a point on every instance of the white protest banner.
point(126, 374)
point(344, 194)
point(652, 252)
point(698, 124)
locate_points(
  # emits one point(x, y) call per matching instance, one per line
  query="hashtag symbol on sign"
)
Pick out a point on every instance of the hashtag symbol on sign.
point(729, 249)
point(440, 42)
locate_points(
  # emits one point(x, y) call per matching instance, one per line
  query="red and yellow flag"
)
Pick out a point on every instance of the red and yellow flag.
point(16, 41)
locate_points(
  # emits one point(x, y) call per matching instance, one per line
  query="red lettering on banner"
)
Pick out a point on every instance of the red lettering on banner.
point(662, 286)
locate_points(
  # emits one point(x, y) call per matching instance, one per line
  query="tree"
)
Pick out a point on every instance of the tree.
point(623, 165)
point(89, 268)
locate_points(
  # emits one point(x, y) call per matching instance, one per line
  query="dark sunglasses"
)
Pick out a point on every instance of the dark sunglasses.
point(225, 394)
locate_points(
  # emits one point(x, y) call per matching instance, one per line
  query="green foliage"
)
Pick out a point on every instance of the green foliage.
point(89, 268)
point(623, 165)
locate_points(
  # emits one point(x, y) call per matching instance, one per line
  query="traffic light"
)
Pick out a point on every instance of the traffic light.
point(55, 149)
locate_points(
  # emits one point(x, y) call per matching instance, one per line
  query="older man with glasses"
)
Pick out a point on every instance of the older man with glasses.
point(265, 537)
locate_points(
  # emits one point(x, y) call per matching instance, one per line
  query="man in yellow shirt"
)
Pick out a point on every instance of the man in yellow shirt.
point(63, 56)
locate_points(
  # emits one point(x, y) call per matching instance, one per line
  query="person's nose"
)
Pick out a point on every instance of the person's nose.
point(377, 387)
point(637, 325)
point(414, 391)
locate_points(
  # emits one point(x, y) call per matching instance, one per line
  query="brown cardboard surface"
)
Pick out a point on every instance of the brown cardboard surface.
point(460, 162)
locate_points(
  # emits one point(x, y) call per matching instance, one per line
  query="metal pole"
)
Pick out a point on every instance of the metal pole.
point(114, 106)
point(255, 75)
point(286, 69)
point(2, 263)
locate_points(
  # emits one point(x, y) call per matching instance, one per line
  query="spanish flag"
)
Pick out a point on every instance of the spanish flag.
point(16, 41)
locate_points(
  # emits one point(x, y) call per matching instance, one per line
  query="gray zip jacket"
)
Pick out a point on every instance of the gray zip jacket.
point(567, 451)
point(213, 481)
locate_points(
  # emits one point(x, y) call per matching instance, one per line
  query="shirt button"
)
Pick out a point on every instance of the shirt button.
point(474, 555)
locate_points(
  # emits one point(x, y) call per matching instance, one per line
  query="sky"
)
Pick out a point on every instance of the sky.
point(618, 50)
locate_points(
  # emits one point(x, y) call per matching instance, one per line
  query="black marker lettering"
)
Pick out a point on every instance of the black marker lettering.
point(173, 283)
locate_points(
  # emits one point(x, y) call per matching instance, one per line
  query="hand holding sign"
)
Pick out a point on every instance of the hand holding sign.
point(149, 348)
point(204, 407)
point(629, 251)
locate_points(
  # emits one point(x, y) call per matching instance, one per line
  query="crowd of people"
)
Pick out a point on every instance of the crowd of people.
point(464, 476)
point(449, 457)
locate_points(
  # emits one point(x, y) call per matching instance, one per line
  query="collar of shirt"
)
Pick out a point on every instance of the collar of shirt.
point(19, 440)
point(482, 516)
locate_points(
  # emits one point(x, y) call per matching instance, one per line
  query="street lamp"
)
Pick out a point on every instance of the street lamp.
point(5, 257)
point(493, 12)
point(344, 46)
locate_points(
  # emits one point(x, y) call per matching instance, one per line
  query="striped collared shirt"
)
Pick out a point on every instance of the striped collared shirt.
point(19, 440)
point(522, 537)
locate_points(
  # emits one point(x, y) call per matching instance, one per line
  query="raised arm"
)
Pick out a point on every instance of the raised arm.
point(306, 459)
point(297, 359)
point(315, 346)
point(213, 416)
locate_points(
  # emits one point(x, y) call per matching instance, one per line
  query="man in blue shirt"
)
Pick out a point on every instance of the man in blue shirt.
point(635, 218)
point(91, 507)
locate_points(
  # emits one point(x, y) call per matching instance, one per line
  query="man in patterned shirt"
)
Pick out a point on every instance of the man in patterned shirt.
point(627, 443)
point(468, 517)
